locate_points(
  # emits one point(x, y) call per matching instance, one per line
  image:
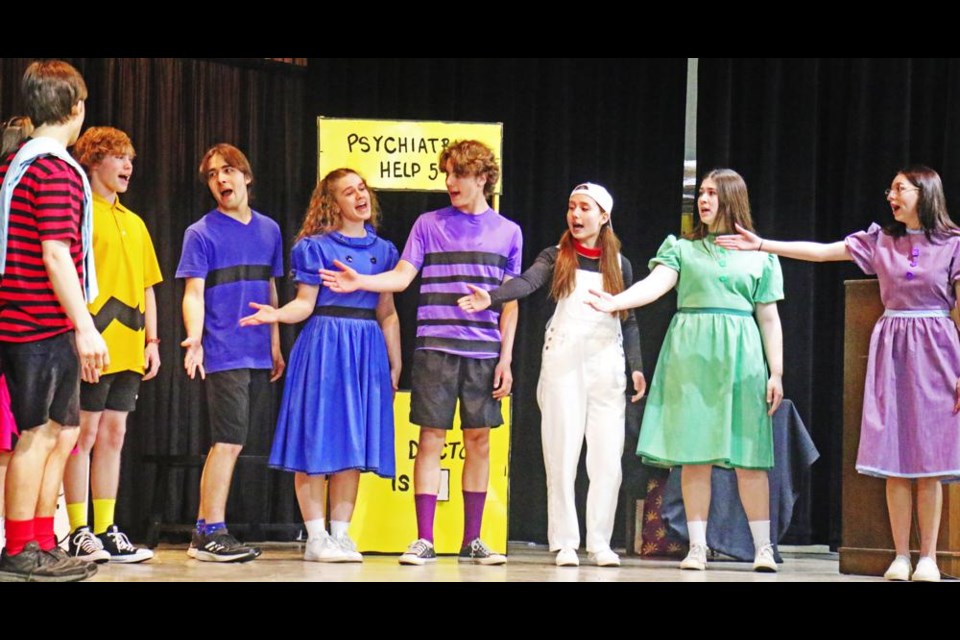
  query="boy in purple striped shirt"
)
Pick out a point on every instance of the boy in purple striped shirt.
point(459, 355)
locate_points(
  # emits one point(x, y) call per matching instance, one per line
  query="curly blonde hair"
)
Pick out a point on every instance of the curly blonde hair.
point(323, 214)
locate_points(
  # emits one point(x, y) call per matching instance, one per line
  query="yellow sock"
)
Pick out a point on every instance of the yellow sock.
point(77, 512)
point(103, 514)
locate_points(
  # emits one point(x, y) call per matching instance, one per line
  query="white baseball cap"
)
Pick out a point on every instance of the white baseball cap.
point(599, 194)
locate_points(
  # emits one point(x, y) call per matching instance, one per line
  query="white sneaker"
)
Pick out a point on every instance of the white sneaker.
point(567, 557)
point(605, 558)
point(323, 548)
point(899, 569)
point(349, 548)
point(926, 571)
point(764, 561)
point(696, 559)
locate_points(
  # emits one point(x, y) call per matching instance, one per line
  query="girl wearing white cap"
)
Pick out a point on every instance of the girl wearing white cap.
point(582, 377)
point(712, 395)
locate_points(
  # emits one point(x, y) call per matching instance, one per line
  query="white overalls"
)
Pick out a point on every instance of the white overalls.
point(581, 393)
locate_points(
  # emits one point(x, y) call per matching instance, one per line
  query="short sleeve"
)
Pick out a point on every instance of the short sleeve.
point(413, 252)
point(151, 266)
point(306, 260)
point(194, 262)
point(770, 287)
point(862, 247)
point(514, 259)
point(277, 260)
point(393, 256)
point(668, 254)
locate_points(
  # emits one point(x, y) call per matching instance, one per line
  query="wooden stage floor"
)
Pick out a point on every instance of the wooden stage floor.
point(527, 563)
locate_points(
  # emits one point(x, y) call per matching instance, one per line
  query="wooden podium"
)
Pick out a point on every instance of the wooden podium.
point(866, 543)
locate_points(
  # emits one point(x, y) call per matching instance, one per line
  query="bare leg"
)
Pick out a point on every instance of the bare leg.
point(426, 468)
point(695, 487)
point(105, 472)
point(929, 506)
point(216, 479)
point(900, 508)
point(754, 487)
point(310, 495)
point(343, 495)
point(476, 467)
point(76, 474)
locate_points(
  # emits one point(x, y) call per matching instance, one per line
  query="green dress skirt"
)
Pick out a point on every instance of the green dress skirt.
point(707, 402)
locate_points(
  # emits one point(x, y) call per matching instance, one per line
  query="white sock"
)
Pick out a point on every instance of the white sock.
point(315, 528)
point(698, 532)
point(338, 528)
point(760, 530)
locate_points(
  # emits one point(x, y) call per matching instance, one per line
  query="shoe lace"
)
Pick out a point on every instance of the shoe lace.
point(87, 542)
point(479, 548)
point(121, 540)
point(347, 543)
point(419, 547)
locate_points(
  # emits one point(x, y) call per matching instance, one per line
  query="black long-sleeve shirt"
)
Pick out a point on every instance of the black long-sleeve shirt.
point(540, 274)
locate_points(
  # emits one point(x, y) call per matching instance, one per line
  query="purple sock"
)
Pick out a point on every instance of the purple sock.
point(426, 508)
point(473, 502)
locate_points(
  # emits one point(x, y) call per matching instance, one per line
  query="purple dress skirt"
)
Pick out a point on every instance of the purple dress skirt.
point(909, 429)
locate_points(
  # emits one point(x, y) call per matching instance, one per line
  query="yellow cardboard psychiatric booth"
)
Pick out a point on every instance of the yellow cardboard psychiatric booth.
point(403, 155)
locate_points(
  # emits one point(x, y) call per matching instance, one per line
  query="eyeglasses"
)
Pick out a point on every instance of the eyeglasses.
point(900, 189)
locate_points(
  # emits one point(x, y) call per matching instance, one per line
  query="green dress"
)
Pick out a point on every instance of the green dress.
point(707, 403)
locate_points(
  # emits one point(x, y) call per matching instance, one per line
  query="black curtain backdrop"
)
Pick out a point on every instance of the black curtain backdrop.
point(616, 122)
point(817, 141)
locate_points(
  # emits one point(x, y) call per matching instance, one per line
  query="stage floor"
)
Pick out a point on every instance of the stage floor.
point(527, 563)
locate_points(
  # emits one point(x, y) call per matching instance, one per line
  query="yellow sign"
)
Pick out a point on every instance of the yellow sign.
point(399, 155)
point(385, 518)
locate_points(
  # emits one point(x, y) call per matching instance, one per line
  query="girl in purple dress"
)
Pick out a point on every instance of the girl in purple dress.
point(911, 426)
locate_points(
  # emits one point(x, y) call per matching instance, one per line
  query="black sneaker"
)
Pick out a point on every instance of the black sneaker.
point(196, 539)
point(419, 553)
point(476, 552)
point(118, 545)
point(84, 545)
point(33, 565)
point(220, 546)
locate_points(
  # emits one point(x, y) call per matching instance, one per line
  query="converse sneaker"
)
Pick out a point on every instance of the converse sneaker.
point(220, 546)
point(349, 548)
point(567, 557)
point(419, 553)
point(696, 559)
point(84, 545)
point(118, 545)
point(605, 558)
point(476, 552)
point(764, 561)
point(33, 565)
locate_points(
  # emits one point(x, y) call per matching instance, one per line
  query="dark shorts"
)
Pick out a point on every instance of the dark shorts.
point(439, 379)
point(237, 399)
point(44, 381)
point(115, 391)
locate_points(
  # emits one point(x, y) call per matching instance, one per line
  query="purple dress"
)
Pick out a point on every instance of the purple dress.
point(909, 429)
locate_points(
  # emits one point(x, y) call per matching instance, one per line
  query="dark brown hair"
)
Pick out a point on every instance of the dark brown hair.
point(733, 202)
point(50, 91)
point(231, 155)
point(931, 204)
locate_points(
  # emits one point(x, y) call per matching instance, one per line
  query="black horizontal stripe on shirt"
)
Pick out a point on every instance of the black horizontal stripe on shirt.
point(480, 324)
point(130, 317)
point(28, 327)
point(439, 299)
point(470, 279)
point(242, 272)
point(465, 257)
point(473, 346)
point(22, 278)
point(23, 251)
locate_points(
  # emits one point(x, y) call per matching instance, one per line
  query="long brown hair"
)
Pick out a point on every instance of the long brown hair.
point(565, 269)
point(733, 202)
point(323, 214)
point(931, 204)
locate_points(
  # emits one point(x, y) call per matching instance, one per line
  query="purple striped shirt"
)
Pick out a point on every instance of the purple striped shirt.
point(453, 249)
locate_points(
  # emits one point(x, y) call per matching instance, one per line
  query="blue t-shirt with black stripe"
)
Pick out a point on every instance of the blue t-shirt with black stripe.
point(236, 261)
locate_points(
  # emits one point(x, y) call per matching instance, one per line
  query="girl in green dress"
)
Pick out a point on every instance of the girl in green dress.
point(718, 378)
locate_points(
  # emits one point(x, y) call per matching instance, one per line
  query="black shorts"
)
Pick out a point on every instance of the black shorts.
point(43, 378)
point(439, 379)
point(115, 391)
point(237, 399)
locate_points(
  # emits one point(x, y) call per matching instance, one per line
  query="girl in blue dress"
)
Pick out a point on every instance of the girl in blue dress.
point(336, 418)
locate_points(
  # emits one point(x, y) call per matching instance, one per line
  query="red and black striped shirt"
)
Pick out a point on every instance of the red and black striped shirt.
point(47, 205)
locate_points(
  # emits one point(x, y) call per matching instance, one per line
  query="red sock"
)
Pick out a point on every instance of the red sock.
point(43, 533)
point(19, 533)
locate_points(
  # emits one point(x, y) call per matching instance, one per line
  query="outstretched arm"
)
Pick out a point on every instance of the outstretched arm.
point(810, 251)
point(768, 319)
point(527, 283)
point(347, 280)
point(297, 310)
point(661, 280)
